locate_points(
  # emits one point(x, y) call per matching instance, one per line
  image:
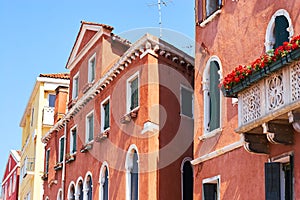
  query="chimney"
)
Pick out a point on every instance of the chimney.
point(60, 102)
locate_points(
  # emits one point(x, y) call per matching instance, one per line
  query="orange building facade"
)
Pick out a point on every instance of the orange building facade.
point(127, 129)
point(246, 141)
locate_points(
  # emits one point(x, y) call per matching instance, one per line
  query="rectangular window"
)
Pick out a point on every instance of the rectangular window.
point(91, 68)
point(51, 99)
point(105, 123)
point(75, 86)
point(90, 127)
point(211, 188)
point(187, 101)
point(206, 8)
point(73, 135)
point(47, 161)
point(279, 179)
point(133, 92)
point(61, 149)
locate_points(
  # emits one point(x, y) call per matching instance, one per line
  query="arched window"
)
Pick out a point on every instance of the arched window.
point(132, 173)
point(88, 187)
point(71, 191)
point(212, 96)
point(279, 30)
point(79, 190)
point(187, 180)
point(104, 182)
point(59, 195)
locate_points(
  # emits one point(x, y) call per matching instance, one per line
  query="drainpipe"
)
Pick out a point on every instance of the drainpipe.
point(64, 162)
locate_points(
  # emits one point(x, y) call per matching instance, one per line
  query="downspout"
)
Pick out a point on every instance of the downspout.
point(64, 162)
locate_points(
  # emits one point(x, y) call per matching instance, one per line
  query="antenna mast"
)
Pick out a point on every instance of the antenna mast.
point(159, 3)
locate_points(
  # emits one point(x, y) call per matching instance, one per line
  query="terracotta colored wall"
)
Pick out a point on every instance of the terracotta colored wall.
point(237, 37)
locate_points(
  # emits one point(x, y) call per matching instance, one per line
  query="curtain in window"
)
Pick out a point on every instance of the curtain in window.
point(106, 115)
point(74, 147)
point(134, 94)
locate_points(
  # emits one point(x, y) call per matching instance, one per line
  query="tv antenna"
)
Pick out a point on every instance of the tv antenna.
point(159, 5)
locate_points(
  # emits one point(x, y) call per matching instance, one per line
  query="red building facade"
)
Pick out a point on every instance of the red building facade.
point(128, 132)
point(10, 180)
point(245, 147)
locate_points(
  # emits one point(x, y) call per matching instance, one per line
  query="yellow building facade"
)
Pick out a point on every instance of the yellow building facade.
point(37, 120)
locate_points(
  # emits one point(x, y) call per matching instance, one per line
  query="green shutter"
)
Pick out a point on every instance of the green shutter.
point(272, 181)
point(62, 141)
point(280, 31)
point(186, 102)
point(214, 95)
point(91, 127)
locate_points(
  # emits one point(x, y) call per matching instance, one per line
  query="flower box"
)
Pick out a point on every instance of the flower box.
point(244, 76)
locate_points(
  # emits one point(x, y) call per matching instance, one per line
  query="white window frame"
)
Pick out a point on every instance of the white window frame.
point(103, 114)
point(215, 179)
point(46, 159)
point(183, 87)
point(69, 190)
point(60, 160)
point(270, 38)
point(206, 82)
point(128, 91)
point(86, 186)
point(101, 176)
point(72, 140)
point(128, 166)
point(90, 78)
point(87, 127)
point(75, 90)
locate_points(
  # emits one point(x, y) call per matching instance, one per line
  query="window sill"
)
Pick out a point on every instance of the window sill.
point(131, 115)
point(45, 176)
point(185, 116)
point(210, 134)
point(86, 147)
point(210, 18)
point(58, 166)
point(70, 157)
point(102, 136)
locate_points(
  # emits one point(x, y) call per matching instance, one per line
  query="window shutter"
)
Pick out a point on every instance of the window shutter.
point(91, 127)
point(214, 95)
point(272, 181)
point(187, 101)
point(280, 31)
point(210, 191)
point(61, 149)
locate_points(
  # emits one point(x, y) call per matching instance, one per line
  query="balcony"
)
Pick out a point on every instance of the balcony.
point(269, 104)
point(48, 116)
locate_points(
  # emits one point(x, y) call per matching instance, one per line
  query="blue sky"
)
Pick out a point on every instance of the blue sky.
point(37, 37)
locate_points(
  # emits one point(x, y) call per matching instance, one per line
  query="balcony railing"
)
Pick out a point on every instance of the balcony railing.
point(48, 115)
point(275, 95)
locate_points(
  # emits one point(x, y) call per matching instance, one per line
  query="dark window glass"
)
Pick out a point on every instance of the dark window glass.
point(106, 115)
point(210, 191)
point(134, 94)
point(280, 31)
point(52, 100)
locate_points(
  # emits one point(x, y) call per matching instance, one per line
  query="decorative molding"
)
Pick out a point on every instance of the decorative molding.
point(136, 49)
